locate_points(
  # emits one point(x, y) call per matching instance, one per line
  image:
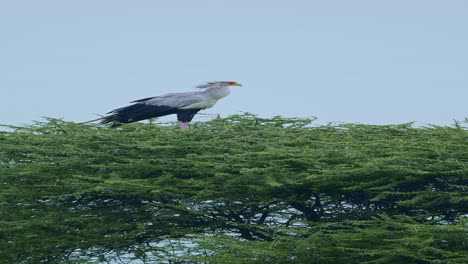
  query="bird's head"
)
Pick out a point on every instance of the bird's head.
point(217, 84)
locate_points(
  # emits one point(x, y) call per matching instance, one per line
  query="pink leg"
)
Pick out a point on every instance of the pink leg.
point(183, 125)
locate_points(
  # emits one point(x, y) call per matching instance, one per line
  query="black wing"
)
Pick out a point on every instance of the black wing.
point(138, 112)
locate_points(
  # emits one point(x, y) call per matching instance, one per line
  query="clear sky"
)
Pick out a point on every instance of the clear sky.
point(375, 62)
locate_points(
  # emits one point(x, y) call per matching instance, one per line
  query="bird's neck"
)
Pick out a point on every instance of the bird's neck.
point(217, 93)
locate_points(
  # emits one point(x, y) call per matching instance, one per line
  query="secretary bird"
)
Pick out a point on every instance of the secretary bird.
point(185, 105)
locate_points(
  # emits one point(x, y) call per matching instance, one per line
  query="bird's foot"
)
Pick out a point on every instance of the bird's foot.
point(183, 125)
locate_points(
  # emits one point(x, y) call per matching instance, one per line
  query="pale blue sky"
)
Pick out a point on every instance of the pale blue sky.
point(375, 62)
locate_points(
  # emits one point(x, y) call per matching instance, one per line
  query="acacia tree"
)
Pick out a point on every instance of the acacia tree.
point(238, 190)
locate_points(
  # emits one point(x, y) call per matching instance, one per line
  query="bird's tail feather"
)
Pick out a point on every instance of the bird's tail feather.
point(89, 121)
point(103, 119)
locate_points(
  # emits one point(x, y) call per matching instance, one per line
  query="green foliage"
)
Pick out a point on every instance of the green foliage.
point(242, 189)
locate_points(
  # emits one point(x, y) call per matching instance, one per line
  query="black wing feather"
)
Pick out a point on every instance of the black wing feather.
point(137, 112)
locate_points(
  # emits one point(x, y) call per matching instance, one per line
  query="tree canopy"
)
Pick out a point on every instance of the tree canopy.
point(241, 189)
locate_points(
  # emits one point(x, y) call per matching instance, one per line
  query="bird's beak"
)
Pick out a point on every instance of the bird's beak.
point(235, 84)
